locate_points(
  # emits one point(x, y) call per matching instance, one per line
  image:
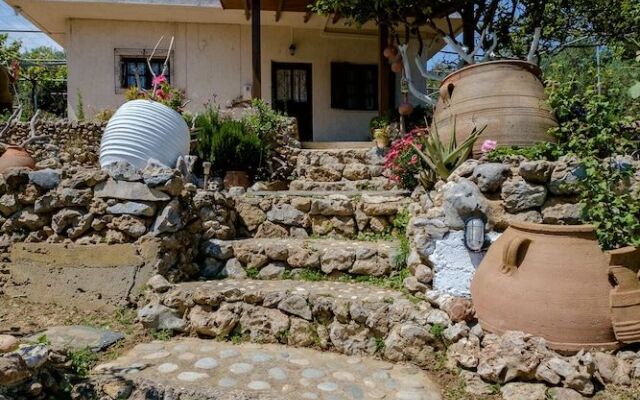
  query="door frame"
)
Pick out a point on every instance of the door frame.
point(297, 65)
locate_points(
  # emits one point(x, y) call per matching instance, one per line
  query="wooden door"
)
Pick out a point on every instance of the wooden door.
point(291, 94)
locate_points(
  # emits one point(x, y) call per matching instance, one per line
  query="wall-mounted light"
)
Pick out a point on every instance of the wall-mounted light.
point(474, 233)
point(292, 49)
point(206, 166)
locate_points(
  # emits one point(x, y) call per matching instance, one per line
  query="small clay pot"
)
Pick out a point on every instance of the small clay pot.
point(397, 66)
point(405, 109)
point(16, 157)
point(236, 179)
point(390, 51)
point(382, 142)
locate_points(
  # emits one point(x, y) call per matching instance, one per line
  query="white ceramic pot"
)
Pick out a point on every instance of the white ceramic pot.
point(141, 130)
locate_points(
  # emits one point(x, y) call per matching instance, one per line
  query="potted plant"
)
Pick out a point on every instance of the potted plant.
point(149, 125)
point(378, 126)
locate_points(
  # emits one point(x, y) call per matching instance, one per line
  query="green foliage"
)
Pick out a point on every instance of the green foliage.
point(79, 106)
point(441, 159)
point(380, 345)
point(43, 340)
point(437, 330)
point(82, 361)
point(539, 151)
point(9, 52)
point(378, 122)
point(162, 334)
point(252, 273)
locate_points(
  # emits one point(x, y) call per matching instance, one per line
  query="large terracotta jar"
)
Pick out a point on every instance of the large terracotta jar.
point(507, 96)
point(236, 179)
point(141, 130)
point(550, 281)
point(16, 157)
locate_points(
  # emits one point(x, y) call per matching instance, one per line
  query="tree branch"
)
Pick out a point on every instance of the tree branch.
point(33, 137)
point(15, 116)
point(407, 71)
point(534, 45)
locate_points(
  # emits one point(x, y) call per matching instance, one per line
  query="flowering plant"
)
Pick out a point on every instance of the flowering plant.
point(488, 145)
point(402, 161)
point(162, 92)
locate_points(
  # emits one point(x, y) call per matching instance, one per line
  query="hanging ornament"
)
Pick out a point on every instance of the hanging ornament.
point(397, 66)
point(404, 85)
point(390, 51)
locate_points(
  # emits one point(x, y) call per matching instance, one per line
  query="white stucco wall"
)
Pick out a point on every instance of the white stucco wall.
point(216, 59)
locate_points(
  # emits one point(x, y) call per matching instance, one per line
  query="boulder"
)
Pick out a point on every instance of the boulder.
point(296, 305)
point(132, 208)
point(331, 207)
point(518, 195)
point(489, 177)
point(536, 171)
point(45, 179)
point(122, 171)
point(286, 214)
point(461, 200)
point(523, 391)
point(124, 190)
point(169, 219)
point(272, 271)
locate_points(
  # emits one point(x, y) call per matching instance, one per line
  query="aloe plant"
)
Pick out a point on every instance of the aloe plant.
point(442, 159)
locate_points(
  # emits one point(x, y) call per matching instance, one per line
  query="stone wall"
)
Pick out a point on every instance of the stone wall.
point(89, 206)
point(70, 143)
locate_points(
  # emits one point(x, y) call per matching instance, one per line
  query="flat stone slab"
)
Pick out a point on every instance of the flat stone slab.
point(78, 337)
point(124, 190)
point(399, 194)
point(338, 290)
point(229, 371)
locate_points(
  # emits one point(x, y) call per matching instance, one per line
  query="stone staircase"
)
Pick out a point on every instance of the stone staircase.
point(340, 170)
point(316, 266)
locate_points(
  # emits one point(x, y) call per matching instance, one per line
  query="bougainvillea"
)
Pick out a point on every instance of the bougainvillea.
point(402, 161)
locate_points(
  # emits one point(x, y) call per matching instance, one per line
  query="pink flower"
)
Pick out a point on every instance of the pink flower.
point(414, 159)
point(488, 145)
point(160, 94)
point(159, 80)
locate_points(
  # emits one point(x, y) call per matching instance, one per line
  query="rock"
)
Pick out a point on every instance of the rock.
point(461, 200)
point(411, 284)
point(266, 325)
point(352, 338)
point(611, 370)
point(218, 249)
point(356, 172)
point(336, 260)
point(474, 385)
point(409, 341)
point(78, 337)
point(159, 284)
point(558, 393)
point(270, 230)
point(558, 213)
point(34, 355)
point(8, 343)
point(288, 215)
point(296, 305)
point(117, 388)
point(124, 190)
point(13, 370)
point(518, 195)
point(155, 316)
point(133, 208)
point(511, 356)
point(303, 258)
point(84, 178)
point(122, 171)
point(464, 170)
point(423, 274)
point(331, 207)
point(524, 391)
point(251, 216)
point(169, 219)
point(324, 174)
point(456, 332)
point(218, 324)
point(156, 174)
point(301, 203)
point(301, 333)
point(465, 352)
point(566, 176)
point(376, 266)
point(272, 271)
point(536, 171)
point(438, 317)
point(489, 177)
point(211, 268)
point(9, 204)
point(15, 178)
point(276, 251)
point(233, 270)
point(73, 223)
point(132, 226)
point(46, 179)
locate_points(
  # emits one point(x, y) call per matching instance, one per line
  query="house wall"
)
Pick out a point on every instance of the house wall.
point(215, 59)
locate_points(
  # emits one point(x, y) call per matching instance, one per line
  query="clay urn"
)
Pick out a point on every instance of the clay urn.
point(405, 108)
point(554, 281)
point(236, 179)
point(390, 51)
point(16, 157)
point(397, 66)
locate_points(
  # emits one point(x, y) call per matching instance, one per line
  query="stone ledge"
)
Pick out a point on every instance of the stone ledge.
point(373, 184)
point(272, 257)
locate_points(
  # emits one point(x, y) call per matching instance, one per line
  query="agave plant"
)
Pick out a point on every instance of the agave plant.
point(442, 159)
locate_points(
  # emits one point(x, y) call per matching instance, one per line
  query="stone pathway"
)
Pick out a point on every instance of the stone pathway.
point(269, 372)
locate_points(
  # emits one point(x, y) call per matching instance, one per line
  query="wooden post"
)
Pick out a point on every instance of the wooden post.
point(384, 71)
point(256, 58)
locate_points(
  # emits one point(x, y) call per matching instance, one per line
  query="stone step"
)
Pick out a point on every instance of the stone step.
point(349, 318)
point(338, 164)
point(329, 214)
point(278, 258)
point(200, 369)
point(377, 184)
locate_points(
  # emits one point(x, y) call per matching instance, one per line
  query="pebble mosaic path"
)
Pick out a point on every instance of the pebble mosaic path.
point(270, 372)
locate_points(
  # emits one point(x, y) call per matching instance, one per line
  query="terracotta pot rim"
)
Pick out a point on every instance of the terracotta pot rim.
point(533, 68)
point(548, 228)
point(235, 171)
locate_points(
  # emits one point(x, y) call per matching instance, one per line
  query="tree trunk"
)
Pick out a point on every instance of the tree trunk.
point(468, 28)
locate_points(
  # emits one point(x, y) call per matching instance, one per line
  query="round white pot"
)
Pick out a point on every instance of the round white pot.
point(141, 130)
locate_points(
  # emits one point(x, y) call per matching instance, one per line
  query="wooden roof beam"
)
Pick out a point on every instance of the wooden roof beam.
point(247, 9)
point(279, 10)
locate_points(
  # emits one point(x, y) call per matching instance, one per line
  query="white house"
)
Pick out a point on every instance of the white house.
point(331, 76)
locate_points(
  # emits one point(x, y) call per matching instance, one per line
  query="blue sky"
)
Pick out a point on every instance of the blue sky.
point(9, 20)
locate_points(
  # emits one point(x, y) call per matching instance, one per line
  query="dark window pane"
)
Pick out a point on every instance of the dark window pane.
point(354, 86)
point(136, 69)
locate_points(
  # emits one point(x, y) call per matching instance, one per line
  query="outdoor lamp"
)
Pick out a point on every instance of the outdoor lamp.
point(292, 49)
point(474, 233)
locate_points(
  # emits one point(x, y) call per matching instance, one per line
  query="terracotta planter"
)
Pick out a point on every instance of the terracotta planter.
point(236, 178)
point(507, 96)
point(16, 157)
point(553, 281)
